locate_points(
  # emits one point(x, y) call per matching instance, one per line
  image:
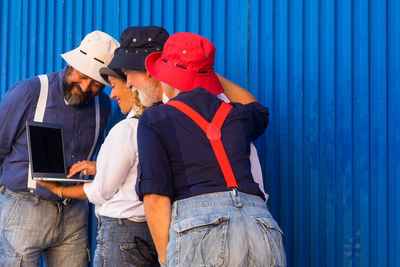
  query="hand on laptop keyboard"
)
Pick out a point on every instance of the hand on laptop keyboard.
point(87, 168)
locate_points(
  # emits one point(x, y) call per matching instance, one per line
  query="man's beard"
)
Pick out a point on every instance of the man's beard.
point(145, 99)
point(75, 100)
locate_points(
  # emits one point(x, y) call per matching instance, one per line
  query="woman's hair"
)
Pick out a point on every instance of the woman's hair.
point(136, 104)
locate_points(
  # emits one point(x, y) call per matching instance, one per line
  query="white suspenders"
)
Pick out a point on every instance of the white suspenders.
point(41, 105)
point(39, 114)
point(97, 131)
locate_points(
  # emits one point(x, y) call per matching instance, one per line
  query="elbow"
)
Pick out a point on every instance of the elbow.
point(154, 200)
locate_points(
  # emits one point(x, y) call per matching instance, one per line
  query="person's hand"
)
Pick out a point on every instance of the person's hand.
point(87, 168)
point(52, 186)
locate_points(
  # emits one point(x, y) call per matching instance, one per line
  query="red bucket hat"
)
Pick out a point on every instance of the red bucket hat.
point(186, 63)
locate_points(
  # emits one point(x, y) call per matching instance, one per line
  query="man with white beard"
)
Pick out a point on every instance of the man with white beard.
point(136, 44)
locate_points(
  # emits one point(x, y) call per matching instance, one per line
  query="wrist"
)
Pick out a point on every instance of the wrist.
point(60, 191)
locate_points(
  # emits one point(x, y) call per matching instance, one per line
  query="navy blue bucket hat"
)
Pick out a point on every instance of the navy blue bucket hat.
point(117, 73)
point(136, 44)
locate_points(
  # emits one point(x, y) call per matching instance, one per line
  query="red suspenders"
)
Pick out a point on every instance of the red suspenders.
point(213, 132)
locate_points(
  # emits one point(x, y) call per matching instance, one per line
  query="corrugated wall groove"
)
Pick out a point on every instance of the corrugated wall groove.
point(3, 48)
point(360, 118)
point(328, 70)
point(394, 132)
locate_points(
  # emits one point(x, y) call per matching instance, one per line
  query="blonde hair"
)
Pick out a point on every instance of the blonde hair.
point(136, 104)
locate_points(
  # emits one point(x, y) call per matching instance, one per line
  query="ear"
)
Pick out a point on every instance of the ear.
point(148, 75)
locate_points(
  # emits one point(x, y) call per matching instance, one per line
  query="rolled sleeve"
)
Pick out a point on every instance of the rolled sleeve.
point(93, 193)
point(154, 173)
point(259, 115)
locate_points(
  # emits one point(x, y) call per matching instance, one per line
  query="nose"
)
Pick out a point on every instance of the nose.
point(85, 84)
point(112, 94)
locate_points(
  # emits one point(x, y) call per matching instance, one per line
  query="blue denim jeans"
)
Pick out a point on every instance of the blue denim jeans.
point(30, 226)
point(121, 242)
point(224, 229)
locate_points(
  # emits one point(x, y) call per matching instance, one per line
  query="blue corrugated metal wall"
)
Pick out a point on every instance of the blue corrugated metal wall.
point(327, 69)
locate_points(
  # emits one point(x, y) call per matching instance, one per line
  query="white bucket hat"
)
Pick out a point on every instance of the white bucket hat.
point(95, 52)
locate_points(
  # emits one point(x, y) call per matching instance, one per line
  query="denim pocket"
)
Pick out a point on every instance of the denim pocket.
point(8, 259)
point(138, 253)
point(269, 223)
point(8, 205)
point(273, 241)
point(201, 240)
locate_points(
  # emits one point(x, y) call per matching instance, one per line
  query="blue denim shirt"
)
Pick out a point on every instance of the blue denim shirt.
point(19, 105)
point(176, 158)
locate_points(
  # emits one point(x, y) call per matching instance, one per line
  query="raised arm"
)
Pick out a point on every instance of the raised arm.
point(236, 93)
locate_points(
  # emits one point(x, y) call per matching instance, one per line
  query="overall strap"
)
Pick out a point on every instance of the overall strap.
point(42, 101)
point(97, 130)
point(213, 132)
point(39, 115)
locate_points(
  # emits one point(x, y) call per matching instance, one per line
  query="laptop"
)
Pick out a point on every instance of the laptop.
point(46, 153)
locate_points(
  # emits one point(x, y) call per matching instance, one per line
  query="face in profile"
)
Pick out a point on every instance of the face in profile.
point(121, 93)
point(79, 88)
point(148, 87)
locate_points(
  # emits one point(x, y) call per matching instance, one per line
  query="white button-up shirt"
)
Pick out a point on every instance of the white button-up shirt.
point(113, 188)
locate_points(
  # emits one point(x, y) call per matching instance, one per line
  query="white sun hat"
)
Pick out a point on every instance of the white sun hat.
point(95, 52)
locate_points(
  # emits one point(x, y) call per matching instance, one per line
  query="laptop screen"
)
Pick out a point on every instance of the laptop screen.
point(46, 147)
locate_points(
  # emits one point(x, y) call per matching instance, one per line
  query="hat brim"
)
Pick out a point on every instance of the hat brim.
point(128, 61)
point(105, 72)
point(182, 79)
point(82, 63)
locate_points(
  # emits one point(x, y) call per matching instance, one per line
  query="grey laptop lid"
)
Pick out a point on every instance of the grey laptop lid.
point(46, 152)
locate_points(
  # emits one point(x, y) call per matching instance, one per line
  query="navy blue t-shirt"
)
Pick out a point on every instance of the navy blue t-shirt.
point(176, 158)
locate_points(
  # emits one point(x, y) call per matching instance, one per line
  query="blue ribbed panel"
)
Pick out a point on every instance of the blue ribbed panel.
point(333, 145)
point(327, 69)
point(393, 171)
point(4, 47)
